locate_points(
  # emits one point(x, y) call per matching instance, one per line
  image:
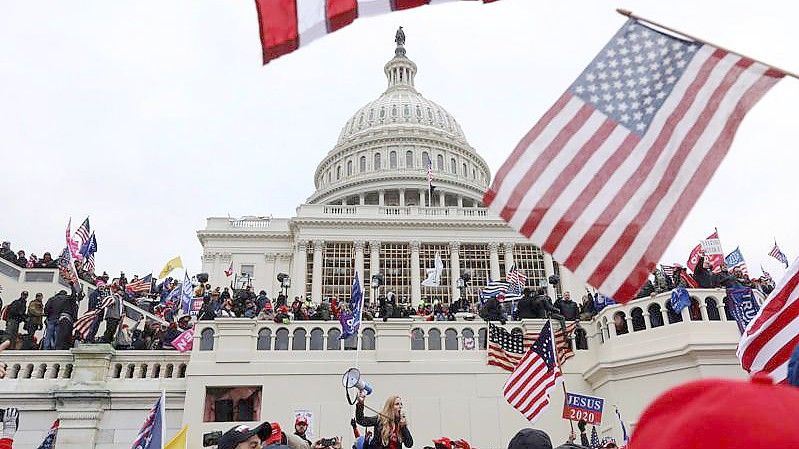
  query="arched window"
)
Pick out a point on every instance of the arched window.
point(298, 343)
point(394, 111)
point(468, 339)
point(317, 339)
point(729, 306)
point(409, 159)
point(674, 317)
point(451, 340)
point(418, 112)
point(434, 340)
point(695, 310)
point(264, 339)
point(440, 162)
point(377, 165)
point(425, 159)
point(453, 166)
point(207, 339)
point(282, 339)
point(329, 174)
point(417, 340)
point(338, 172)
point(392, 159)
point(465, 170)
point(474, 174)
point(637, 316)
point(363, 164)
point(581, 338)
point(712, 309)
point(655, 315)
point(349, 168)
point(368, 339)
point(482, 335)
point(620, 321)
point(407, 110)
point(333, 339)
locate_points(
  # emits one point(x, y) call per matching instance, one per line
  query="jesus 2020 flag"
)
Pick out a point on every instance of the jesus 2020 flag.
point(605, 179)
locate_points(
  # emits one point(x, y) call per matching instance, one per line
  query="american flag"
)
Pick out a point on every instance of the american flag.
point(537, 373)
point(668, 270)
point(516, 277)
point(66, 267)
point(594, 438)
point(735, 259)
point(287, 25)
point(772, 335)
point(505, 349)
point(605, 179)
point(84, 324)
point(83, 232)
point(779, 255)
point(50, 439)
point(87, 250)
point(140, 286)
point(151, 434)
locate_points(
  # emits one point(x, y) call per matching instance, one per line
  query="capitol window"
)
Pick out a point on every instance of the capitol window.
point(363, 163)
point(377, 165)
point(409, 159)
point(329, 177)
point(407, 111)
point(382, 112)
point(453, 165)
point(465, 170)
point(392, 159)
point(425, 159)
point(349, 168)
point(394, 111)
point(229, 404)
point(430, 115)
point(371, 114)
point(440, 162)
point(418, 112)
point(338, 172)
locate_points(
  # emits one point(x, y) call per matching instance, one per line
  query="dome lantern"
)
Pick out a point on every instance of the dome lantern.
point(400, 70)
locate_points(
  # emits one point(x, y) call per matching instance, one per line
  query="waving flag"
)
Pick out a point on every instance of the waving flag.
point(537, 373)
point(506, 349)
point(772, 335)
point(171, 265)
point(736, 260)
point(87, 251)
point(350, 317)
point(151, 433)
point(52, 435)
point(229, 271)
point(83, 232)
point(86, 321)
point(72, 244)
point(287, 25)
point(779, 255)
point(186, 294)
point(493, 289)
point(434, 274)
point(624, 435)
point(605, 179)
point(66, 267)
point(142, 285)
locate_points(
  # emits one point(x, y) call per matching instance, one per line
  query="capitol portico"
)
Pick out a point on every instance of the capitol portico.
point(373, 211)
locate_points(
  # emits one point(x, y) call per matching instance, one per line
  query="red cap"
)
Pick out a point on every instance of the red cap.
point(443, 442)
point(301, 419)
point(716, 413)
point(276, 436)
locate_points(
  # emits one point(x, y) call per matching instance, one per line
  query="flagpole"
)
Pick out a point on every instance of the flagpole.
point(563, 375)
point(163, 418)
point(630, 14)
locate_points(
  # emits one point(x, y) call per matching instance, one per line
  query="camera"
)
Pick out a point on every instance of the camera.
point(211, 438)
point(554, 279)
point(327, 442)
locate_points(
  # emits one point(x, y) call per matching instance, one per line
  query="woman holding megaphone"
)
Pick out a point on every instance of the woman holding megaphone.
point(391, 426)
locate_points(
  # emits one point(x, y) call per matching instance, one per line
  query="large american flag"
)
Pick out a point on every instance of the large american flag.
point(506, 349)
point(142, 285)
point(84, 324)
point(516, 277)
point(537, 373)
point(83, 232)
point(605, 179)
point(151, 433)
point(287, 25)
point(770, 338)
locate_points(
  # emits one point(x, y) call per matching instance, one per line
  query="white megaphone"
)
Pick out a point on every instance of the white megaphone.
point(352, 379)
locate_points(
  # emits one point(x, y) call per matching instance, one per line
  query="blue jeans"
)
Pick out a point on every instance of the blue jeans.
point(49, 334)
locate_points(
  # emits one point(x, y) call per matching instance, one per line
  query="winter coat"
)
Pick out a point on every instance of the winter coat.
point(524, 308)
point(569, 309)
point(373, 421)
point(542, 307)
point(54, 305)
point(491, 311)
point(704, 277)
point(17, 308)
point(35, 313)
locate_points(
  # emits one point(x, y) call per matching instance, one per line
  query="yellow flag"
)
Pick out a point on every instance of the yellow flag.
point(179, 440)
point(171, 265)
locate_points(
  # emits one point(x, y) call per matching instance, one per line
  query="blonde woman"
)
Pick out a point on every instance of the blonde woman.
point(391, 427)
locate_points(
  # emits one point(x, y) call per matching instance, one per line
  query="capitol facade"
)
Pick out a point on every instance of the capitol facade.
point(373, 212)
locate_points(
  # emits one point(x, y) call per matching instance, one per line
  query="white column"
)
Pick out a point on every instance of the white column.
point(423, 197)
point(382, 200)
point(549, 271)
point(268, 284)
point(441, 199)
point(455, 269)
point(508, 256)
point(493, 249)
point(402, 197)
point(374, 262)
point(362, 198)
point(460, 200)
point(316, 279)
point(358, 246)
point(299, 275)
point(416, 281)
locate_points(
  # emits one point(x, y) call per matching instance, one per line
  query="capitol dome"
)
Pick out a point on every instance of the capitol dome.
point(384, 150)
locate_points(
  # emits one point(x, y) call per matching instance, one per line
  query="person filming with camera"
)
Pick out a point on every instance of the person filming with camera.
point(390, 425)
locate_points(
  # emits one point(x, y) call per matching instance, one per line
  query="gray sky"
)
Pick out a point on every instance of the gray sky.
point(150, 116)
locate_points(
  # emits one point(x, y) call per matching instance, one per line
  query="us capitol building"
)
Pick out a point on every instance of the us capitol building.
point(372, 214)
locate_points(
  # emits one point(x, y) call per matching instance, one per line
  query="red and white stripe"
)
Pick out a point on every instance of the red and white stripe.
point(528, 388)
point(607, 202)
point(508, 360)
point(772, 335)
point(287, 25)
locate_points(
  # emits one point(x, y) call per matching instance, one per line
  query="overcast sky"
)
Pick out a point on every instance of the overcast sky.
point(150, 116)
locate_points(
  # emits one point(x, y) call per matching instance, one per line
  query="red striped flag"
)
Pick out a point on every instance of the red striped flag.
point(537, 373)
point(287, 25)
point(84, 324)
point(772, 335)
point(605, 179)
point(506, 349)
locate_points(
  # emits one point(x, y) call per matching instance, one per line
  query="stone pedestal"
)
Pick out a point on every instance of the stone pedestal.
point(394, 339)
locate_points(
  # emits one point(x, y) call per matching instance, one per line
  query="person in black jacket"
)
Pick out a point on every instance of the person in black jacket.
point(391, 426)
point(703, 273)
point(542, 307)
point(524, 308)
point(67, 309)
point(568, 308)
point(16, 315)
point(492, 312)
